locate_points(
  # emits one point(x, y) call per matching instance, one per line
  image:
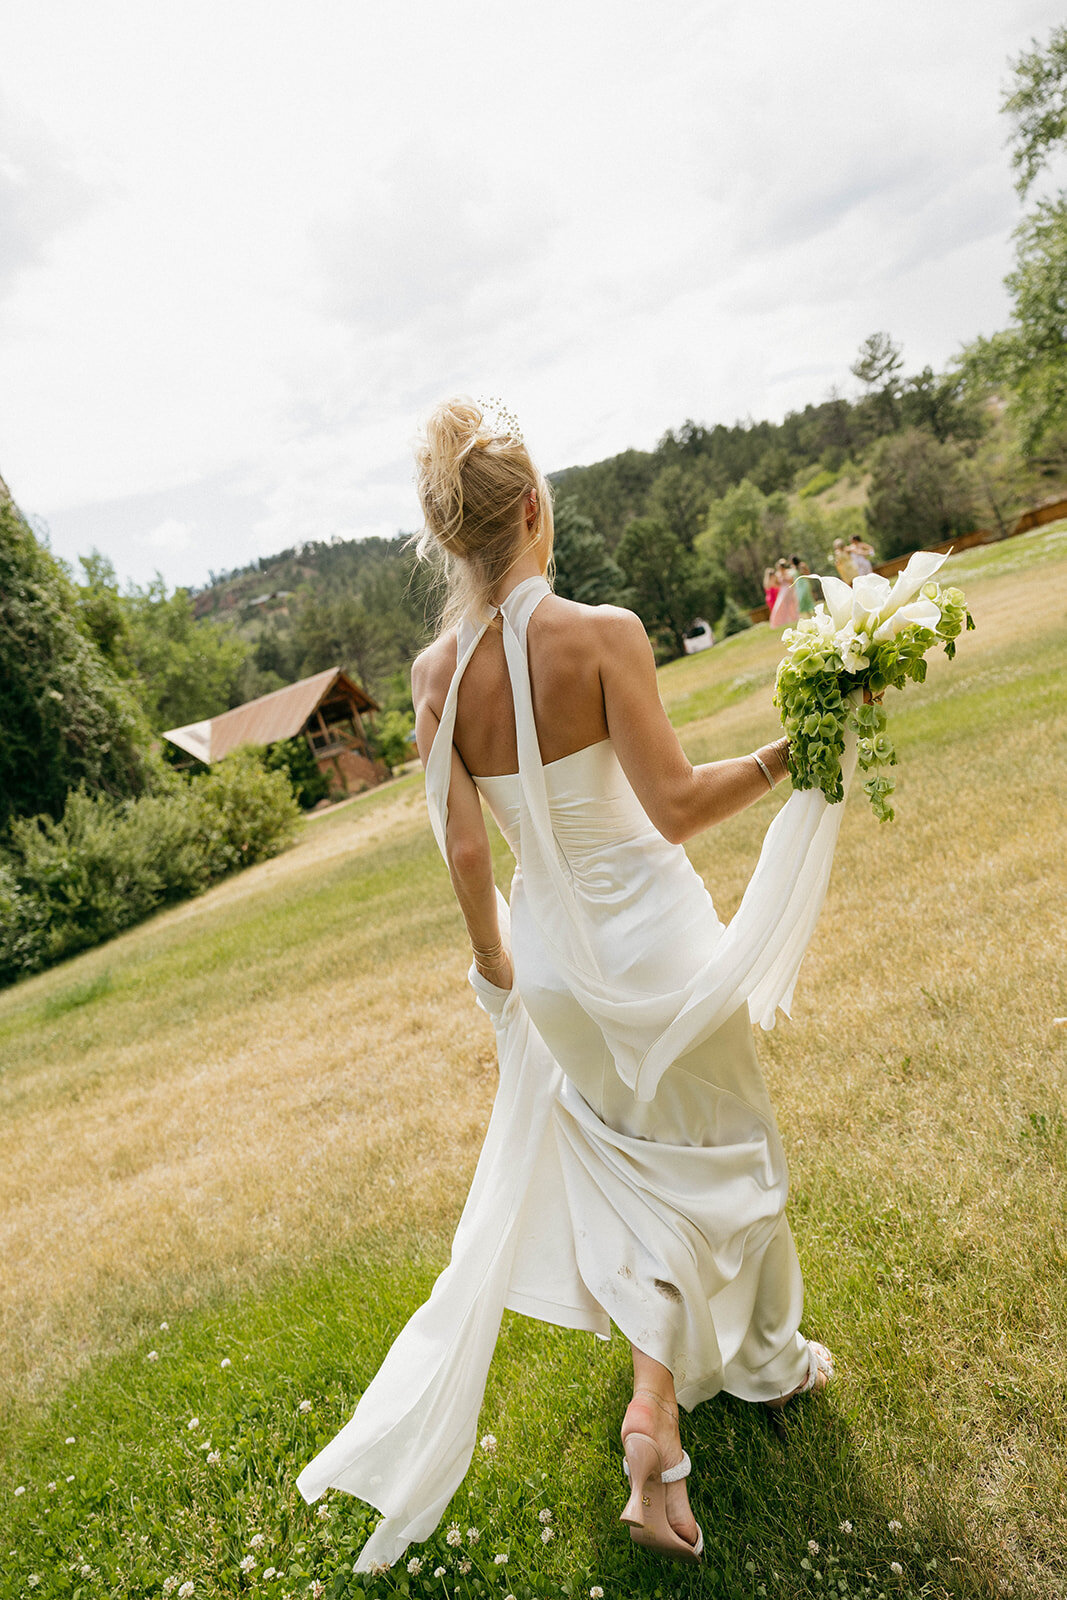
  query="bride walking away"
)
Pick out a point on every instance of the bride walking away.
point(632, 1172)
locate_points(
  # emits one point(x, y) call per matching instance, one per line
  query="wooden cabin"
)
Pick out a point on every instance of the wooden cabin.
point(326, 709)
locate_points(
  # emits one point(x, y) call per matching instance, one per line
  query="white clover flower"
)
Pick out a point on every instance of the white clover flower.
point(414, 1566)
point(86, 1571)
point(70, 1477)
point(169, 1585)
point(318, 1589)
point(463, 1568)
point(453, 1536)
point(813, 1547)
point(439, 1572)
point(225, 1362)
point(186, 1589)
point(544, 1515)
point(213, 1458)
point(500, 1561)
point(20, 1490)
point(488, 1443)
point(257, 1540)
point(194, 1422)
point(896, 1569)
point(247, 1563)
point(269, 1572)
point(844, 1527)
point(547, 1534)
point(473, 1535)
point(206, 1445)
point(33, 1580)
point(596, 1592)
point(153, 1355)
point(894, 1526)
point(324, 1513)
point(164, 1327)
point(72, 1440)
point(52, 1487)
point(304, 1407)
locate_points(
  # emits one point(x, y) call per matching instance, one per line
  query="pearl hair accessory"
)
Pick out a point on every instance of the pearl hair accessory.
point(497, 421)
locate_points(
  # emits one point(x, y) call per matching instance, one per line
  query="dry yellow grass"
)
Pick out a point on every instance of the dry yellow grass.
point(293, 1062)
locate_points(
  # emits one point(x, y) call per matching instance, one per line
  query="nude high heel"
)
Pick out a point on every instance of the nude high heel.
point(646, 1509)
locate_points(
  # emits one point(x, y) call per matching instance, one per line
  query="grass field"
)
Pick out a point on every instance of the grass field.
point(235, 1141)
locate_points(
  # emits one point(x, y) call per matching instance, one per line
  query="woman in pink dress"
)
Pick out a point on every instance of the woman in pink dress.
point(785, 611)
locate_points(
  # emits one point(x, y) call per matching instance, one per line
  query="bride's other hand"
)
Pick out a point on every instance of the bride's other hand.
point(499, 972)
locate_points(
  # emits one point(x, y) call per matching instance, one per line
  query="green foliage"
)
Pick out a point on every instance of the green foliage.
point(920, 494)
point(391, 737)
point(104, 865)
point(816, 484)
point(679, 498)
point(1030, 356)
point(670, 585)
point(294, 758)
point(740, 542)
point(180, 668)
point(1038, 107)
point(610, 493)
point(583, 569)
point(66, 718)
point(733, 620)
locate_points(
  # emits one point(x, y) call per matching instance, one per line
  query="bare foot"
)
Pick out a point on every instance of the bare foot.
point(649, 1414)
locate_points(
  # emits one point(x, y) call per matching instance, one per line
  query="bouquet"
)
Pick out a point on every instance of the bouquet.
point(870, 635)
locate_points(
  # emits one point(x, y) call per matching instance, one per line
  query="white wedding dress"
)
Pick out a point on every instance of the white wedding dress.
point(632, 1170)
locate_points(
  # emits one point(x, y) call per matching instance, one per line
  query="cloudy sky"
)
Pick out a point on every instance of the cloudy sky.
point(244, 244)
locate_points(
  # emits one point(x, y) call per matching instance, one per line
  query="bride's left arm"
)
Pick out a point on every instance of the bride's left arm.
point(470, 861)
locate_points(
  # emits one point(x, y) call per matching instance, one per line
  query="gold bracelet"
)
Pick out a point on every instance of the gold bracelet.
point(488, 957)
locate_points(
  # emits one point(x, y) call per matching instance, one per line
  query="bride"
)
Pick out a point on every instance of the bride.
point(632, 1172)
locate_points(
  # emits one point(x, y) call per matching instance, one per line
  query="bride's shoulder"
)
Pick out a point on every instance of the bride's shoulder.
point(592, 629)
point(432, 669)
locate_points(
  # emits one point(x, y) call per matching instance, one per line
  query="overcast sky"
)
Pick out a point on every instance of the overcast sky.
point(244, 244)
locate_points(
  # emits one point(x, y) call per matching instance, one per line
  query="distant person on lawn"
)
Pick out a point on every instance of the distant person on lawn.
point(863, 556)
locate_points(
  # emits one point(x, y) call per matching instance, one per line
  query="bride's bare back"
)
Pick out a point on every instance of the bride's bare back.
point(568, 696)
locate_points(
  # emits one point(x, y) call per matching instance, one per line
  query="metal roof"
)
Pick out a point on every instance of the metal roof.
point(279, 715)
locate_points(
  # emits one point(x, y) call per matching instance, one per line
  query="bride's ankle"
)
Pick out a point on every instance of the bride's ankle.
point(652, 1413)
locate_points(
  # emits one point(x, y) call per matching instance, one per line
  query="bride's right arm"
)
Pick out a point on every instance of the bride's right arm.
point(679, 799)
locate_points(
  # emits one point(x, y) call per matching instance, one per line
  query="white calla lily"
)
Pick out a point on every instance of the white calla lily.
point(870, 592)
point(919, 570)
point(920, 613)
point(838, 598)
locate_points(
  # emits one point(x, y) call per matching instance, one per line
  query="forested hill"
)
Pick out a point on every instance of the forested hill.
point(681, 530)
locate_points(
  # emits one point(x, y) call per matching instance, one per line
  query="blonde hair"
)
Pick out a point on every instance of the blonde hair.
point(473, 479)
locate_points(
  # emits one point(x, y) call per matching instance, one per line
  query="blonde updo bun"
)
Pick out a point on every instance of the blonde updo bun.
point(473, 478)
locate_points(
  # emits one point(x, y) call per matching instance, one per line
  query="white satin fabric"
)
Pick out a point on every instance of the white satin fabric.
point(632, 1170)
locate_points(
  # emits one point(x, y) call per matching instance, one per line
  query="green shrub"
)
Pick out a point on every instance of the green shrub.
point(816, 485)
point(104, 865)
point(391, 737)
point(293, 757)
point(733, 620)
